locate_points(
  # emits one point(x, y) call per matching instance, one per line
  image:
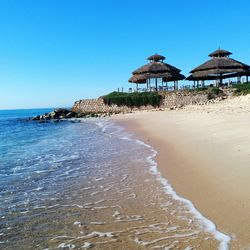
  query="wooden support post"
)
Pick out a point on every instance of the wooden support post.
point(238, 79)
point(156, 84)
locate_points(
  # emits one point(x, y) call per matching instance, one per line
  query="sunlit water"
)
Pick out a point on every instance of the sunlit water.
point(88, 184)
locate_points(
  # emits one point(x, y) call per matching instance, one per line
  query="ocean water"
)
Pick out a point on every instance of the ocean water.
point(87, 183)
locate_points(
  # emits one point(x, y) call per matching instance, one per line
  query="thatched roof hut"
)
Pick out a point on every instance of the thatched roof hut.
point(219, 67)
point(156, 69)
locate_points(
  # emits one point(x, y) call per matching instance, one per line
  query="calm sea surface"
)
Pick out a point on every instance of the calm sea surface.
point(84, 184)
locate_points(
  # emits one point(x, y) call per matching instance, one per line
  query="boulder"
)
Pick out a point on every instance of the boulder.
point(56, 114)
point(35, 118)
point(70, 115)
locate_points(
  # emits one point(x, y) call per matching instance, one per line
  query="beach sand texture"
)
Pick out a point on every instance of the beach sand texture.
point(204, 152)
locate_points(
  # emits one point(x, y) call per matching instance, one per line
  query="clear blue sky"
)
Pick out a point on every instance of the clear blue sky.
point(53, 52)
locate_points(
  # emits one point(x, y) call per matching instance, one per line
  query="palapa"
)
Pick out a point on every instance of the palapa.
point(156, 69)
point(219, 67)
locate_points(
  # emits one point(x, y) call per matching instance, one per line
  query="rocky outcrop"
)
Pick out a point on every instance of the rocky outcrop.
point(57, 114)
point(63, 114)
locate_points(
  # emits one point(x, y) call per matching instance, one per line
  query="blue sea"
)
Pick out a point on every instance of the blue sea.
point(87, 183)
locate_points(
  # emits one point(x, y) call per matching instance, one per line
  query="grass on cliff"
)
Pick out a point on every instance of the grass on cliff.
point(212, 92)
point(133, 99)
point(198, 89)
point(242, 89)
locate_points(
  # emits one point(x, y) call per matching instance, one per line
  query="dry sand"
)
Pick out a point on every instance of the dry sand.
point(204, 152)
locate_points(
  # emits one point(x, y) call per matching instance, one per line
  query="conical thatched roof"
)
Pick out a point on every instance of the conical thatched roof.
point(215, 77)
point(220, 53)
point(220, 65)
point(156, 58)
point(138, 79)
point(156, 69)
point(167, 77)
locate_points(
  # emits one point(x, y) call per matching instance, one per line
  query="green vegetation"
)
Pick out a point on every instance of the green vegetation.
point(133, 99)
point(242, 89)
point(198, 89)
point(214, 92)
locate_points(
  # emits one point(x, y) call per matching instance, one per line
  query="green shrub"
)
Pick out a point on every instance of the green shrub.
point(242, 89)
point(214, 92)
point(201, 89)
point(133, 99)
point(197, 89)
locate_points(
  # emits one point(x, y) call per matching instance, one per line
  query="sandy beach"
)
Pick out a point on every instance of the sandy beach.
point(204, 152)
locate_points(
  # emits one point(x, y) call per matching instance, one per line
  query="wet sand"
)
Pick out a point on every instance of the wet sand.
point(204, 152)
point(105, 192)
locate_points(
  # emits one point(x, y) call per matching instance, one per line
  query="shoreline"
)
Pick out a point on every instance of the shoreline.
point(205, 166)
point(206, 224)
